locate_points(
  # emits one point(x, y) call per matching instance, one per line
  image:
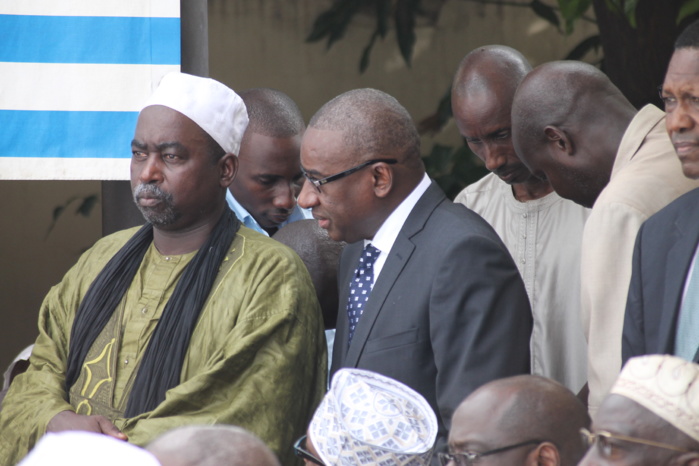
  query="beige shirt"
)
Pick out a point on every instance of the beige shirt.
point(646, 176)
point(544, 237)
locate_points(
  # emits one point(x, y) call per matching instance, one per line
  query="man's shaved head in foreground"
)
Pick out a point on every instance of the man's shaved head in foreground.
point(217, 445)
point(519, 409)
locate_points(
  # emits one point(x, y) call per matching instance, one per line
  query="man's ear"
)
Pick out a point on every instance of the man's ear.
point(688, 459)
point(382, 174)
point(229, 168)
point(560, 140)
point(545, 454)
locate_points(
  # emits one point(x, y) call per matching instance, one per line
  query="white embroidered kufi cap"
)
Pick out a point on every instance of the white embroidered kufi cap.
point(366, 418)
point(667, 386)
point(79, 448)
point(213, 106)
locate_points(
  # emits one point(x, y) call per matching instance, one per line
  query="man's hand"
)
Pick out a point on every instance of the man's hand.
point(68, 420)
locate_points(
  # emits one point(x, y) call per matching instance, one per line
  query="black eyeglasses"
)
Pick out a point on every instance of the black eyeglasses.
point(605, 442)
point(470, 458)
point(318, 183)
point(301, 452)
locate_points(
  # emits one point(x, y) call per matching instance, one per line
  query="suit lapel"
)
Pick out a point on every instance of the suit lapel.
point(397, 258)
point(395, 262)
point(350, 258)
point(679, 258)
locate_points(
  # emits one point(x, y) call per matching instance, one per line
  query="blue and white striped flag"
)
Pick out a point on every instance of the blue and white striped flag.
point(73, 76)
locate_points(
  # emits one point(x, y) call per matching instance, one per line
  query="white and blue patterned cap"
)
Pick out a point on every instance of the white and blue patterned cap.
point(367, 418)
point(213, 106)
point(665, 385)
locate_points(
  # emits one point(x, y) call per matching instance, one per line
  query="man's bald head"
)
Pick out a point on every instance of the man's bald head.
point(217, 445)
point(568, 120)
point(490, 69)
point(374, 125)
point(321, 256)
point(481, 99)
point(518, 409)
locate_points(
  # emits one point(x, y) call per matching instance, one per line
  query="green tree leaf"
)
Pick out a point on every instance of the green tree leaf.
point(383, 9)
point(630, 11)
point(688, 8)
point(333, 22)
point(586, 45)
point(546, 12)
point(571, 10)
point(86, 206)
point(405, 27)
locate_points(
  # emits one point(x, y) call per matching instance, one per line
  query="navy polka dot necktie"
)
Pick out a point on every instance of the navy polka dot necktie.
point(360, 287)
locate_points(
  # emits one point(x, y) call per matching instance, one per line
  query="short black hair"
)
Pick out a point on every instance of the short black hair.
point(689, 38)
point(272, 113)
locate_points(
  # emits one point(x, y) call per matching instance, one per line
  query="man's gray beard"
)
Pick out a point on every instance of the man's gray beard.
point(167, 216)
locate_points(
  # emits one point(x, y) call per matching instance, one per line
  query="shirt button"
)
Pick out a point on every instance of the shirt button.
point(144, 310)
point(524, 261)
point(167, 258)
point(524, 215)
point(126, 361)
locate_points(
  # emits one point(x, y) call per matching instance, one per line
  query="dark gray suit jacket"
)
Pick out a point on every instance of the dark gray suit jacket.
point(662, 256)
point(448, 312)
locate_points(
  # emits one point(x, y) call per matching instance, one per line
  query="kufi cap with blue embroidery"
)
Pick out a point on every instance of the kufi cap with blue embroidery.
point(213, 106)
point(367, 418)
point(665, 385)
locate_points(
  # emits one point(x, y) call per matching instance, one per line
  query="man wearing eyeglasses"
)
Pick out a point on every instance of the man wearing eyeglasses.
point(429, 294)
point(662, 310)
point(524, 420)
point(650, 417)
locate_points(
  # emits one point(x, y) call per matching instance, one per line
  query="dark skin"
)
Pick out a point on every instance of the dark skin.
point(482, 94)
point(475, 427)
point(352, 208)
point(622, 416)
point(517, 409)
point(269, 178)
point(171, 152)
point(580, 121)
point(680, 93)
point(179, 169)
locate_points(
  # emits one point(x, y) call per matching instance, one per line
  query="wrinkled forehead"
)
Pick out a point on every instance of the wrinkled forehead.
point(683, 70)
point(323, 151)
point(158, 124)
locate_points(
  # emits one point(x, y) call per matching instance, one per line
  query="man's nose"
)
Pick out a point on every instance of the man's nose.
point(284, 197)
point(151, 170)
point(493, 157)
point(679, 120)
point(308, 197)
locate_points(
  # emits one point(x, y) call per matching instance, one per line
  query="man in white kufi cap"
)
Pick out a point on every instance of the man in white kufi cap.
point(650, 417)
point(191, 319)
point(367, 418)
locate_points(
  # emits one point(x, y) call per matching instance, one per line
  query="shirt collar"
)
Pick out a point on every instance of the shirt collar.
point(388, 232)
point(250, 222)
